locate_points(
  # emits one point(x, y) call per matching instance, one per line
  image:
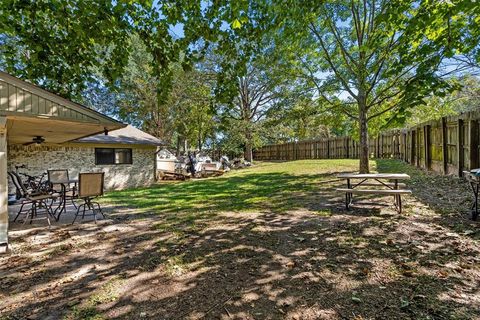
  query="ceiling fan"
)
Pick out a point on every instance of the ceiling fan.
point(37, 140)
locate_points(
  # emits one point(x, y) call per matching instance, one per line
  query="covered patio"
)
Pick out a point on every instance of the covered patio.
point(28, 112)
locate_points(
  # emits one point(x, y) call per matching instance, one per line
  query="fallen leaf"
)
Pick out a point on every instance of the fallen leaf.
point(408, 273)
point(442, 274)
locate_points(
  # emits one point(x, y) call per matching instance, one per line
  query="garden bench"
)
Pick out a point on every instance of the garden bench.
point(390, 182)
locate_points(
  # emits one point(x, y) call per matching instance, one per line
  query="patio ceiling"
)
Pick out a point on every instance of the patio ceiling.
point(23, 129)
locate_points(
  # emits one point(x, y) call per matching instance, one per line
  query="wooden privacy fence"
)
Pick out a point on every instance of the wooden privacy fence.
point(449, 145)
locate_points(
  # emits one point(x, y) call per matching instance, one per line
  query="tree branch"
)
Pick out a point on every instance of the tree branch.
point(329, 60)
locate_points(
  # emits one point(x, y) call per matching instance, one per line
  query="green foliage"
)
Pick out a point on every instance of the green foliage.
point(300, 121)
point(447, 28)
point(184, 111)
point(358, 48)
point(258, 92)
point(465, 98)
point(191, 106)
point(57, 43)
point(232, 139)
point(243, 72)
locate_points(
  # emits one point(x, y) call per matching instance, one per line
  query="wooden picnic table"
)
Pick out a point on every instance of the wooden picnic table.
point(387, 176)
point(389, 182)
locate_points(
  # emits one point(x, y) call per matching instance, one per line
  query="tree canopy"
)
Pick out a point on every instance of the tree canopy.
point(238, 74)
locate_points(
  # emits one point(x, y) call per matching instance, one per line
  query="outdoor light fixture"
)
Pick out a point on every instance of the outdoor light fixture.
point(36, 140)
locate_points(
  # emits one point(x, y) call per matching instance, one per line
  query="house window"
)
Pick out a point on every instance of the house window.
point(113, 156)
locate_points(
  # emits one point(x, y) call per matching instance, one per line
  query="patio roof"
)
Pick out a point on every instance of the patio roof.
point(32, 111)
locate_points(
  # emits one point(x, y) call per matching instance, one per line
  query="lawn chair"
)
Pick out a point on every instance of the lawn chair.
point(90, 186)
point(35, 200)
point(60, 182)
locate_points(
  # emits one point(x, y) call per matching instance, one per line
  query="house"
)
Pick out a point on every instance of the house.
point(126, 155)
point(45, 131)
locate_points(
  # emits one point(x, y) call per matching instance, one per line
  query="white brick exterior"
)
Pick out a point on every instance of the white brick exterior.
point(81, 158)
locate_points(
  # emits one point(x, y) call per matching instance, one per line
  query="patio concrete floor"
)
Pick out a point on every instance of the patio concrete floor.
point(40, 226)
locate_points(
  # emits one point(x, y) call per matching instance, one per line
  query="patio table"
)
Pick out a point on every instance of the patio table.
point(64, 185)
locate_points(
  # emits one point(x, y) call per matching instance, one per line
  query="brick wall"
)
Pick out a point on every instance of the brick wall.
point(77, 158)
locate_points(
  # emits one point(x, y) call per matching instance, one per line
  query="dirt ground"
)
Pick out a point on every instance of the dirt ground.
point(315, 261)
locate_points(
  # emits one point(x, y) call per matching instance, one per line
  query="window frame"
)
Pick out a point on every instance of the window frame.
point(114, 152)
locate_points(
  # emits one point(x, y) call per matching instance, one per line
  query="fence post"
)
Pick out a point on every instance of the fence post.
point(382, 146)
point(426, 140)
point(396, 146)
point(460, 157)
point(473, 146)
point(413, 146)
point(347, 140)
point(444, 146)
point(417, 148)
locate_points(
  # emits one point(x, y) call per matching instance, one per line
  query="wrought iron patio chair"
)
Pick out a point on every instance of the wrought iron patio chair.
point(23, 188)
point(60, 182)
point(90, 186)
point(38, 203)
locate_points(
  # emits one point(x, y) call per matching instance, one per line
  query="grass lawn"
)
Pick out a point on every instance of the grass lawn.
point(269, 242)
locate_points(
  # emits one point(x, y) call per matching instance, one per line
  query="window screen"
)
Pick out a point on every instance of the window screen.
point(104, 156)
point(123, 156)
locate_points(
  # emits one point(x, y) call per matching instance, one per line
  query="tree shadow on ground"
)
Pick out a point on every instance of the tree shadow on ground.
point(449, 197)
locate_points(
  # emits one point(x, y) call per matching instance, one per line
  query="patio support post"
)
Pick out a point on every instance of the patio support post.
point(3, 186)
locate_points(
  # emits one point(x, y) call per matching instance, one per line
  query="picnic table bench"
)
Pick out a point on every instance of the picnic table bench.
point(389, 182)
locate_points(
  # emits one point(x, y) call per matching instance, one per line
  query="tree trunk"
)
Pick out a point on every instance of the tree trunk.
point(199, 141)
point(363, 127)
point(199, 136)
point(248, 154)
